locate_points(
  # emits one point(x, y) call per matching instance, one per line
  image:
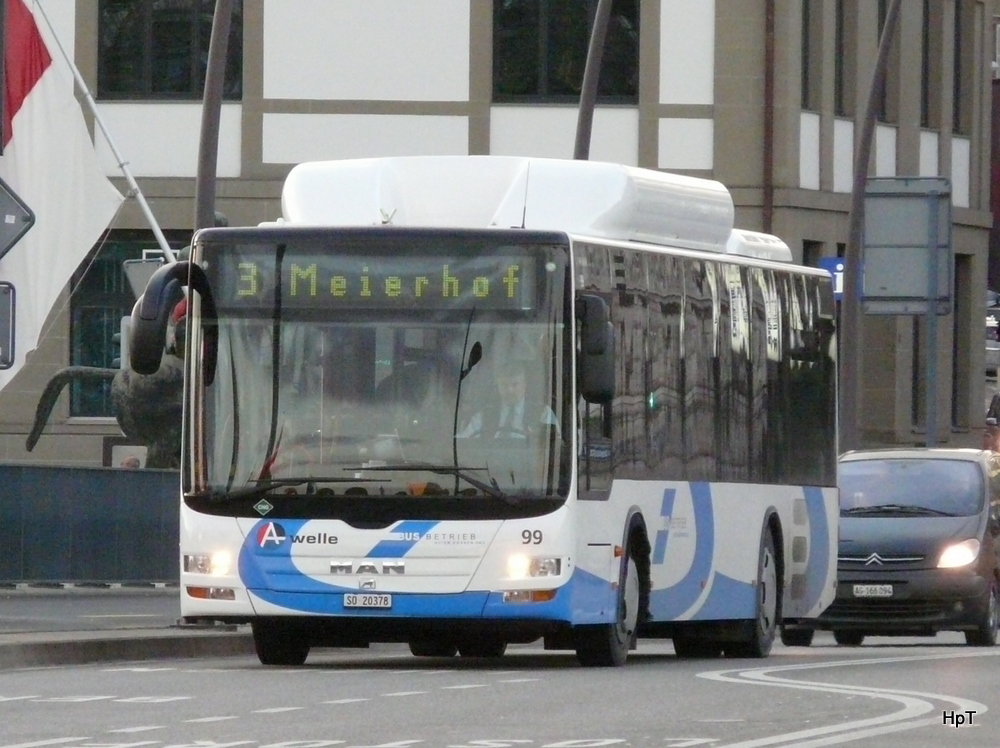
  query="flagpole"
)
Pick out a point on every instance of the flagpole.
point(168, 253)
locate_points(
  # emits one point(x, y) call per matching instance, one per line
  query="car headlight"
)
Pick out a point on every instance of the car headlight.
point(959, 554)
point(521, 566)
point(217, 564)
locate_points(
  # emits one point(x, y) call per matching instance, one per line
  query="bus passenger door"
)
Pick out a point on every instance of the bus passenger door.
point(596, 382)
point(594, 460)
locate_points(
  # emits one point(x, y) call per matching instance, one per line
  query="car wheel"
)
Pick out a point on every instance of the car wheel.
point(689, 648)
point(276, 644)
point(765, 625)
point(486, 647)
point(796, 637)
point(848, 638)
point(432, 648)
point(985, 635)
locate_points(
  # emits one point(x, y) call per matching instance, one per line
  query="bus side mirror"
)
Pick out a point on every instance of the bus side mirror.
point(151, 313)
point(595, 362)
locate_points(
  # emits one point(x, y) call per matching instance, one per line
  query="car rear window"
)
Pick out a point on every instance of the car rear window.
point(948, 486)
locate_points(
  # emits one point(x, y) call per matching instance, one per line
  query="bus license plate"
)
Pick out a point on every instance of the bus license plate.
point(367, 600)
point(873, 590)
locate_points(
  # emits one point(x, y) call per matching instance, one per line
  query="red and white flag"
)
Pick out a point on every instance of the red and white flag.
point(49, 162)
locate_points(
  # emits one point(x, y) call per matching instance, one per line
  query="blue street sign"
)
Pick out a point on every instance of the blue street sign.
point(835, 267)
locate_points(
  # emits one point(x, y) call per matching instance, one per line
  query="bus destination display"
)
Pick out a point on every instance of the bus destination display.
point(352, 282)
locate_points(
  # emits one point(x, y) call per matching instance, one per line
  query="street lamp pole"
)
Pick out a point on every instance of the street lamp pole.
point(850, 312)
point(591, 77)
point(208, 148)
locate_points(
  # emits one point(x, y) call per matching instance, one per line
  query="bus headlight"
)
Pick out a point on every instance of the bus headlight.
point(216, 564)
point(521, 566)
point(959, 554)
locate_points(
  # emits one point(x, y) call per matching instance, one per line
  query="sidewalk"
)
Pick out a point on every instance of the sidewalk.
point(44, 626)
point(78, 647)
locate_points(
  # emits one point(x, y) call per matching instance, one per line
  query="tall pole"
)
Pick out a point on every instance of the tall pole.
point(208, 149)
point(850, 311)
point(591, 77)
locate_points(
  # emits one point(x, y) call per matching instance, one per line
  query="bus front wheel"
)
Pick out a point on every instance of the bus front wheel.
point(608, 645)
point(279, 644)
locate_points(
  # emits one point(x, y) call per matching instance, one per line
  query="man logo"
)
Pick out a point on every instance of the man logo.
point(272, 532)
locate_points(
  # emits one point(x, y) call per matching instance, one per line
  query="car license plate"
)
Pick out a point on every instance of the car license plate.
point(367, 600)
point(873, 590)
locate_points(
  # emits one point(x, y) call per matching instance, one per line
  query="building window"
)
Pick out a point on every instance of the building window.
point(930, 78)
point(965, 51)
point(888, 103)
point(540, 50)
point(812, 53)
point(158, 49)
point(845, 58)
point(100, 297)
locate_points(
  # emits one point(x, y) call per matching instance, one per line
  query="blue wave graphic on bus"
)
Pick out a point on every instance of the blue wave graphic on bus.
point(819, 546)
point(268, 570)
point(407, 534)
point(730, 597)
point(673, 601)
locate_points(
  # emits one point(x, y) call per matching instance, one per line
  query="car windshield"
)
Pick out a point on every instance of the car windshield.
point(926, 486)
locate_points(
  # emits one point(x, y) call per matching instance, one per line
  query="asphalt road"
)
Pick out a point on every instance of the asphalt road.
point(890, 693)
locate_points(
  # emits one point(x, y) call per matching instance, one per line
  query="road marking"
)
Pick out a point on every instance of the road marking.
point(146, 728)
point(277, 710)
point(19, 698)
point(916, 704)
point(336, 701)
point(211, 719)
point(519, 680)
point(39, 743)
point(469, 685)
point(404, 693)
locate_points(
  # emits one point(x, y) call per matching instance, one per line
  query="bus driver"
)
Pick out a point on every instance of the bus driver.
point(512, 416)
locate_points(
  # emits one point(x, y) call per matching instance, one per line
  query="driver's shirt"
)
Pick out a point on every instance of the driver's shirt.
point(508, 424)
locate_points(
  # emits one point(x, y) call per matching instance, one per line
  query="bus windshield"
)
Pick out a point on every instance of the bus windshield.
point(387, 363)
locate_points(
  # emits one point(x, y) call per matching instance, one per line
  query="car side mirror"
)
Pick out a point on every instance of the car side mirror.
point(991, 421)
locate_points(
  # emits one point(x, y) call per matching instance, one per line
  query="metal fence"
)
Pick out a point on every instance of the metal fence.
point(88, 525)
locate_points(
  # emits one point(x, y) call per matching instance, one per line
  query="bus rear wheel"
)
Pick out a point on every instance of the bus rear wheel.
point(279, 644)
point(765, 624)
point(608, 645)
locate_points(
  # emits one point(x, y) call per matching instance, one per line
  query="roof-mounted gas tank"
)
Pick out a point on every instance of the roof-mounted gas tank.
point(582, 198)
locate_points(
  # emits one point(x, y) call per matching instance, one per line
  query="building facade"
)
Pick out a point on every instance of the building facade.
point(765, 96)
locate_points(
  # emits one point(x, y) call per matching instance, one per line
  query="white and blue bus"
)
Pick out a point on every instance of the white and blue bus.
point(679, 483)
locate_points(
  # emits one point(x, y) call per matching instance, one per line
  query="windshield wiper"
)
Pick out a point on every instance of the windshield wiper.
point(265, 485)
point(897, 509)
point(490, 489)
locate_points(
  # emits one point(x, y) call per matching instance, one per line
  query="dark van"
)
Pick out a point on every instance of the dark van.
point(918, 549)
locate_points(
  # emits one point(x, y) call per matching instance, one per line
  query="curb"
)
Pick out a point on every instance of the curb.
point(120, 646)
